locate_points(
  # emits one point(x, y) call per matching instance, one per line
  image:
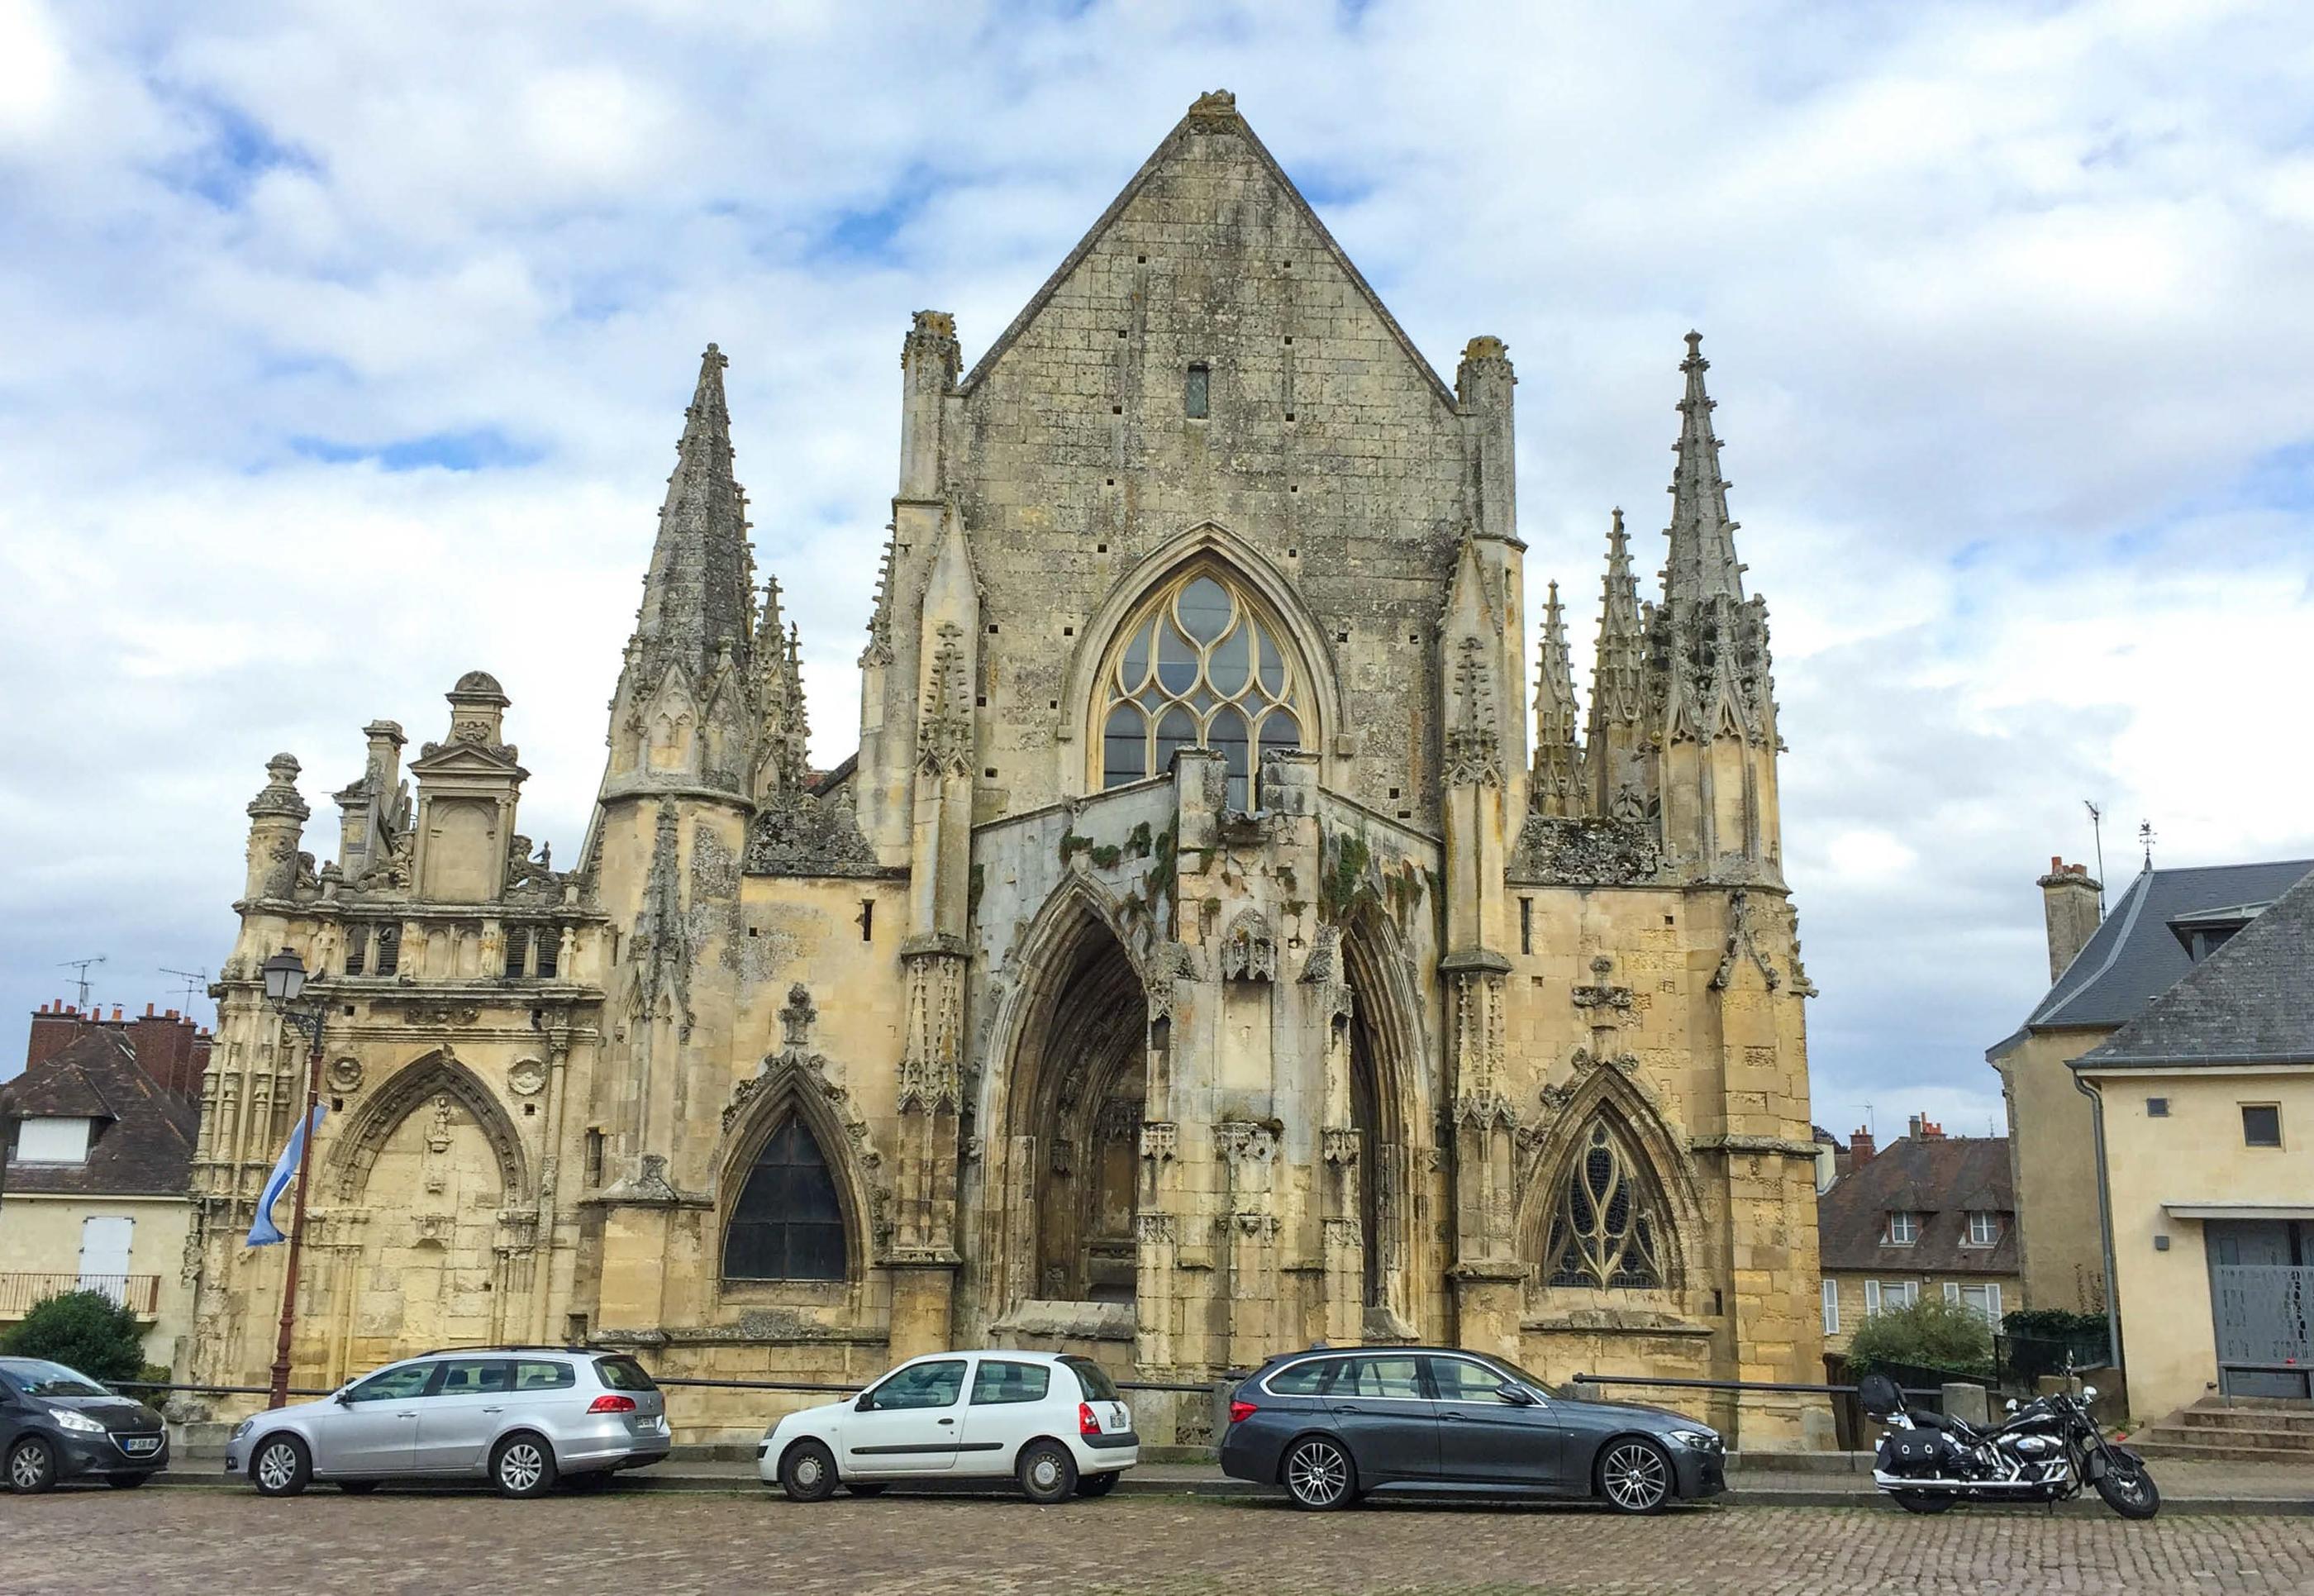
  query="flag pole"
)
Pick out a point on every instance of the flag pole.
point(285, 980)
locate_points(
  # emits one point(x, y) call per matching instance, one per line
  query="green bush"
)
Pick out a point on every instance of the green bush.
point(2052, 1324)
point(87, 1331)
point(1929, 1334)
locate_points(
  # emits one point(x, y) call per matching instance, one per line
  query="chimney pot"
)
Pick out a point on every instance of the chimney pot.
point(1859, 1146)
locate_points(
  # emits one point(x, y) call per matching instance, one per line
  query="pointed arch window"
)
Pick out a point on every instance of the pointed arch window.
point(1201, 665)
point(789, 1222)
point(1606, 1231)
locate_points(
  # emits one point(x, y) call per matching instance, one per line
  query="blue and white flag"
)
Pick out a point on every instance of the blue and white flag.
point(262, 1231)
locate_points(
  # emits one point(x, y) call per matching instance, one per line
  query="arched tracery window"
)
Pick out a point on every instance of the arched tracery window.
point(789, 1222)
point(1606, 1231)
point(1201, 667)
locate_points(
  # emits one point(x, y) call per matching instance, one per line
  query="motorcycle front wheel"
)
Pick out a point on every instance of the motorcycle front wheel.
point(1923, 1501)
point(2129, 1490)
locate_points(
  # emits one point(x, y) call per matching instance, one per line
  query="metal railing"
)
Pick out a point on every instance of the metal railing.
point(21, 1290)
point(1735, 1385)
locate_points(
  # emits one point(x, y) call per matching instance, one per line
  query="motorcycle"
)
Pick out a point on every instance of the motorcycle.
point(2046, 1451)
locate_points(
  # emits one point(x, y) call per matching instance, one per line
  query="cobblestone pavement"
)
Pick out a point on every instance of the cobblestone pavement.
point(215, 1543)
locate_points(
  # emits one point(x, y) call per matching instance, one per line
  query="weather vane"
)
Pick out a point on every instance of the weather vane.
point(2145, 836)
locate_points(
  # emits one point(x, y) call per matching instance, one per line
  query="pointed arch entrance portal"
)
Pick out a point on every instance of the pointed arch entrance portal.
point(1078, 1085)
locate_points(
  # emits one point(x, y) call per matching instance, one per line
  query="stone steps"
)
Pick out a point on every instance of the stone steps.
point(2238, 1430)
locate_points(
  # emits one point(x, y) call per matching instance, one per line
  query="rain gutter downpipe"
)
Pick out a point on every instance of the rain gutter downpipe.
point(2104, 1218)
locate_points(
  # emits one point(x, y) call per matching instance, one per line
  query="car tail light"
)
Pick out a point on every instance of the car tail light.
point(1087, 1423)
point(1241, 1410)
point(611, 1405)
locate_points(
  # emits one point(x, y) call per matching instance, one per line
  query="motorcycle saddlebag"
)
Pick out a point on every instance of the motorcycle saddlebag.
point(1914, 1453)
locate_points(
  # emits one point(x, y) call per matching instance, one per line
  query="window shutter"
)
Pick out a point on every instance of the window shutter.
point(1831, 1308)
point(1871, 1298)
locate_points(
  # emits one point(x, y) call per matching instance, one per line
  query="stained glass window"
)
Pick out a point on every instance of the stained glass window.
point(788, 1224)
point(1201, 668)
point(1604, 1233)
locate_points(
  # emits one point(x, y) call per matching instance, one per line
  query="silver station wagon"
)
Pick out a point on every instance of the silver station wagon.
point(519, 1416)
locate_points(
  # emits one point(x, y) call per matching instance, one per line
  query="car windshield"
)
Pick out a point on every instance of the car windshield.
point(38, 1378)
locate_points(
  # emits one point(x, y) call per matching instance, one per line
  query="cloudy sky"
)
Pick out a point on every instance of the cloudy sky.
point(343, 348)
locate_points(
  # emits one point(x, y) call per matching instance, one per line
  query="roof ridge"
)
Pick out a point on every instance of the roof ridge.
point(1207, 111)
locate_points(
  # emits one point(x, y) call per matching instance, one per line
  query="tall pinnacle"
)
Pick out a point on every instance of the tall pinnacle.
point(697, 593)
point(1556, 787)
point(1702, 564)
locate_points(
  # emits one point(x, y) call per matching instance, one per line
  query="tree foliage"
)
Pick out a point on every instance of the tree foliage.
point(86, 1331)
point(1929, 1334)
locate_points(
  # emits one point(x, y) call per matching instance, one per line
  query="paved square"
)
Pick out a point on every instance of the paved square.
point(221, 1543)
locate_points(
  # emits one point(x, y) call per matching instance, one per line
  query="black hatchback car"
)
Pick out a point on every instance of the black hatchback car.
point(1332, 1424)
point(58, 1423)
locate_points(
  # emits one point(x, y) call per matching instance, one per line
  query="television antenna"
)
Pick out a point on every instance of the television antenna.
point(1870, 1129)
point(81, 964)
point(197, 984)
point(2097, 830)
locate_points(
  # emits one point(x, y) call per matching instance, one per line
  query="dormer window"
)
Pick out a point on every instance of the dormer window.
point(1984, 1228)
point(1904, 1228)
point(60, 1139)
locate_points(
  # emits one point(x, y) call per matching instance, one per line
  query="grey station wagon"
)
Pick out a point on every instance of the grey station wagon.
point(521, 1417)
point(1331, 1426)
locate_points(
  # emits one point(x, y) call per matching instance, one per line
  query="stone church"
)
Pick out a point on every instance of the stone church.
point(1225, 935)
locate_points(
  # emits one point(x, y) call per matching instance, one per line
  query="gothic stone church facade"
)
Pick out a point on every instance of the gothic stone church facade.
point(1220, 940)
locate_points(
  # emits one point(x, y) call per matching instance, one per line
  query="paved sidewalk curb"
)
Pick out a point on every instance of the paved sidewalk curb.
point(1211, 1487)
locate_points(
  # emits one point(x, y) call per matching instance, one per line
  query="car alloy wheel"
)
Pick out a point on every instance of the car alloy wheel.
point(1636, 1476)
point(32, 1467)
point(523, 1467)
point(279, 1467)
point(1318, 1476)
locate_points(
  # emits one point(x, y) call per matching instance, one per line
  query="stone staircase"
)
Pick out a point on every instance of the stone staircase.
point(2277, 1429)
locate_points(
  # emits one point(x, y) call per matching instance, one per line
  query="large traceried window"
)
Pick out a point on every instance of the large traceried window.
point(1201, 668)
point(1605, 1233)
point(789, 1223)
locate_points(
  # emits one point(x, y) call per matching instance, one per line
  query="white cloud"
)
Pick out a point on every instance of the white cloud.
point(2006, 308)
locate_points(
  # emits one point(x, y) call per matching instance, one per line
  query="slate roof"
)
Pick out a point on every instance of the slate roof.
point(1943, 1180)
point(2134, 956)
point(2251, 1002)
point(142, 1144)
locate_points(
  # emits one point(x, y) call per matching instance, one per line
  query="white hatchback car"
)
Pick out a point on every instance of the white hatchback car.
point(1053, 1422)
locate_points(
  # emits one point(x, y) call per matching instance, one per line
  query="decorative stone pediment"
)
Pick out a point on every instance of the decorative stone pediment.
point(1249, 949)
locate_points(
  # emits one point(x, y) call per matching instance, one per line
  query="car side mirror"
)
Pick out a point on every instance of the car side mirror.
point(344, 1398)
point(864, 1403)
point(1515, 1394)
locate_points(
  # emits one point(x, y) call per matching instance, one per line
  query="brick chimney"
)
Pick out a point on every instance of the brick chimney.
point(171, 1049)
point(2069, 904)
point(1859, 1148)
point(53, 1027)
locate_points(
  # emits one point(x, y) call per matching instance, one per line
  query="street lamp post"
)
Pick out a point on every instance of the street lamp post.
point(285, 982)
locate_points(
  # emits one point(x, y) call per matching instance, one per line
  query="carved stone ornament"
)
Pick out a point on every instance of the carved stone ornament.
point(1171, 962)
point(1342, 1144)
point(451, 1015)
point(944, 736)
point(1154, 1227)
point(345, 1075)
point(1246, 1141)
point(1249, 949)
point(797, 1014)
point(526, 1077)
point(1160, 1141)
point(796, 833)
point(1474, 743)
point(1613, 852)
point(1740, 944)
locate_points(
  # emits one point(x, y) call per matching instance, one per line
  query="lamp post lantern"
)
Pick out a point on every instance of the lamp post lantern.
point(285, 985)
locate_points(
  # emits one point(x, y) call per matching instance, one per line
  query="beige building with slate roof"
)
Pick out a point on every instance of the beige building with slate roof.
point(1227, 934)
point(2204, 1109)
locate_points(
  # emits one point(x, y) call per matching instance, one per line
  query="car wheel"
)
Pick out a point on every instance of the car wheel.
point(32, 1466)
point(863, 1488)
point(125, 1482)
point(808, 1472)
point(1318, 1475)
point(280, 1467)
point(523, 1466)
point(358, 1487)
point(1635, 1476)
point(1097, 1485)
point(1047, 1472)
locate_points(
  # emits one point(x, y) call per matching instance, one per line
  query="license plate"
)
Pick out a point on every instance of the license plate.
point(145, 1443)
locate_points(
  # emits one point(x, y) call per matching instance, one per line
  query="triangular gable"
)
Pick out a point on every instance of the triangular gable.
point(465, 759)
point(1212, 112)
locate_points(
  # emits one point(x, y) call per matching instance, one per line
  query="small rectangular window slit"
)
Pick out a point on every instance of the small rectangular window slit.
point(1199, 391)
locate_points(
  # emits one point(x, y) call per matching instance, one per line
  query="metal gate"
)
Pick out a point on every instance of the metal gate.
point(2265, 1327)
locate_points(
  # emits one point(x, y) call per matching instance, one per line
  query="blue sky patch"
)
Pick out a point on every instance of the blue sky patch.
point(482, 449)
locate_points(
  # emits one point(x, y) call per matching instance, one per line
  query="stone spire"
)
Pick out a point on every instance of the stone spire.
point(781, 744)
point(1557, 787)
point(1702, 564)
point(1614, 768)
point(696, 595)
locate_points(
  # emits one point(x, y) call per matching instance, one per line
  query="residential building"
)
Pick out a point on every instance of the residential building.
point(1226, 934)
point(2204, 1120)
point(2103, 973)
point(96, 1193)
point(1928, 1216)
